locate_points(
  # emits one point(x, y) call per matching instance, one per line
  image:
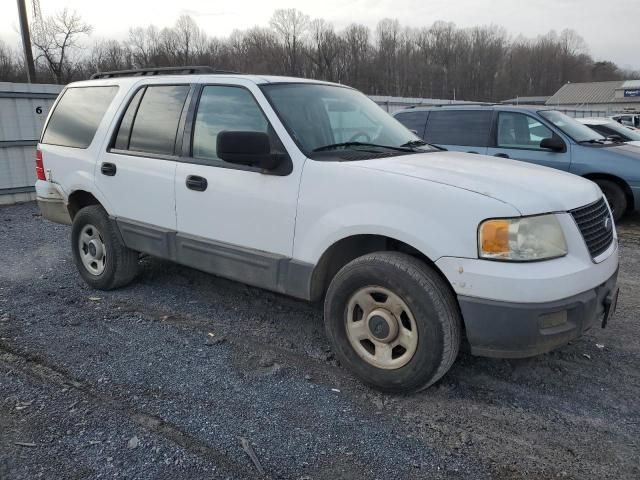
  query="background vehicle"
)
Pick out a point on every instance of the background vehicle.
point(628, 119)
point(537, 135)
point(310, 189)
point(611, 129)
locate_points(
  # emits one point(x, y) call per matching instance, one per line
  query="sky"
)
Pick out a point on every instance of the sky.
point(609, 28)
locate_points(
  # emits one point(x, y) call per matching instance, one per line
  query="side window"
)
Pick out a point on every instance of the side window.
point(150, 123)
point(604, 130)
point(459, 127)
point(77, 116)
point(226, 108)
point(517, 130)
point(413, 121)
point(124, 132)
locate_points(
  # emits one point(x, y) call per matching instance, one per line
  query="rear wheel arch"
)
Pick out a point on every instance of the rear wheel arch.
point(349, 248)
point(80, 199)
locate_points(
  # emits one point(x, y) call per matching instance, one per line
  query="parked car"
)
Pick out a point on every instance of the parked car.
point(310, 189)
point(611, 129)
point(629, 119)
point(537, 135)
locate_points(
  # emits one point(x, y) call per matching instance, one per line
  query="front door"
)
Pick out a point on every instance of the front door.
point(518, 136)
point(234, 220)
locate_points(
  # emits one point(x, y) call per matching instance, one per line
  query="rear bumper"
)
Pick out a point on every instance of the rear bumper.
point(517, 330)
point(52, 205)
point(54, 210)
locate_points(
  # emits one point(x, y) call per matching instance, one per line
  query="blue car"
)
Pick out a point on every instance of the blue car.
point(538, 135)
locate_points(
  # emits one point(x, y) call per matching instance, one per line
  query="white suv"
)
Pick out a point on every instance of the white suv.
point(309, 189)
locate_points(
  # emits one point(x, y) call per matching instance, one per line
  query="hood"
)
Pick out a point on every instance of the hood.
point(530, 188)
point(627, 149)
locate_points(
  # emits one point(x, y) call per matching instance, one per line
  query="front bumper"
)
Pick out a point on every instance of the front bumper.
point(517, 330)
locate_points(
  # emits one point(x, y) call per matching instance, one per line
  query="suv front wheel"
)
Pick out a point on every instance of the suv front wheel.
point(103, 261)
point(393, 321)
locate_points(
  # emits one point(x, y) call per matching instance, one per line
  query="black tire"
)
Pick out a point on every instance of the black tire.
point(121, 263)
point(615, 196)
point(432, 303)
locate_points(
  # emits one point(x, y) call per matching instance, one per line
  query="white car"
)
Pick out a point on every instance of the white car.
point(310, 189)
point(628, 119)
point(609, 128)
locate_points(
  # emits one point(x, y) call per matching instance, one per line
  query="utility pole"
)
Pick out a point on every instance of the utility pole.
point(26, 41)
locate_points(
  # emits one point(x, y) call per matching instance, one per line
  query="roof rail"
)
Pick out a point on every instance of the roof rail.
point(145, 72)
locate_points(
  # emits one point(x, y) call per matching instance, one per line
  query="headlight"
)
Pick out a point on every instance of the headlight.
point(522, 239)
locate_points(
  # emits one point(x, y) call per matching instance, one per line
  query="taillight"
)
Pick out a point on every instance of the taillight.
point(39, 165)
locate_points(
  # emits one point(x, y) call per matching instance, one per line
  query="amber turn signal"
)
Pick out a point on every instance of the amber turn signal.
point(494, 237)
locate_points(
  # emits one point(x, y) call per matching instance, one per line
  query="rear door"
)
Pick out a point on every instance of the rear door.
point(518, 136)
point(459, 130)
point(136, 171)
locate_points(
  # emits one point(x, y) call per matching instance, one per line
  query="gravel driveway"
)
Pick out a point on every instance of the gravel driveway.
point(186, 375)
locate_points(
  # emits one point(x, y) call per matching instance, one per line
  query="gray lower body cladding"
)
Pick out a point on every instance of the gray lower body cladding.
point(253, 267)
point(517, 330)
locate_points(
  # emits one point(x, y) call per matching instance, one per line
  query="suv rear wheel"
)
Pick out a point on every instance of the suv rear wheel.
point(393, 321)
point(103, 261)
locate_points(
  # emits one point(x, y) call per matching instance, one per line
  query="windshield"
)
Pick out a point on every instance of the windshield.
point(320, 116)
point(624, 132)
point(570, 126)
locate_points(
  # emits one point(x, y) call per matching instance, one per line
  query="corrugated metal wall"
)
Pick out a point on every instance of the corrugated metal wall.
point(23, 110)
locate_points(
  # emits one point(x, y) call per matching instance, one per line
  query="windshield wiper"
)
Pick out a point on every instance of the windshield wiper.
point(414, 143)
point(336, 146)
point(592, 140)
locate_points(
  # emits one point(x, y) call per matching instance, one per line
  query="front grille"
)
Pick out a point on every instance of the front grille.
point(596, 226)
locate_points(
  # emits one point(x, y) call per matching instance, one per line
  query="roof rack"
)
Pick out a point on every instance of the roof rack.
point(145, 72)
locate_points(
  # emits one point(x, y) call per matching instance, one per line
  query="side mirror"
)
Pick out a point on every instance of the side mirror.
point(554, 143)
point(247, 148)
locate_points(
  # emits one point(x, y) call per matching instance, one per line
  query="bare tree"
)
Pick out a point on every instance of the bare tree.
point(325, 47)
point(56, 39)
point(10, 66)
point(290, 25)
point(441, 60)
point(190, 40)
point(144, 44)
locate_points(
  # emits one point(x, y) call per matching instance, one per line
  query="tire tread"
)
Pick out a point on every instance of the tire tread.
point(428, 279)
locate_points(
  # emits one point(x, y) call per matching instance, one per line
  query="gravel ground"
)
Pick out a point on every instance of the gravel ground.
point(165, 378)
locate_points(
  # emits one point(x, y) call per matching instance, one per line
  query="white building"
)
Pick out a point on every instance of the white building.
point(603, 97)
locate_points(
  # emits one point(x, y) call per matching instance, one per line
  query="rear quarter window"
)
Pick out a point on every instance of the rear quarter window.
point(77, 116)
point(459, 127)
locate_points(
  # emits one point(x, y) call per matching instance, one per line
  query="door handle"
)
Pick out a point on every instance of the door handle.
point(108, 169)
point(502, 155)
point(194, 182)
